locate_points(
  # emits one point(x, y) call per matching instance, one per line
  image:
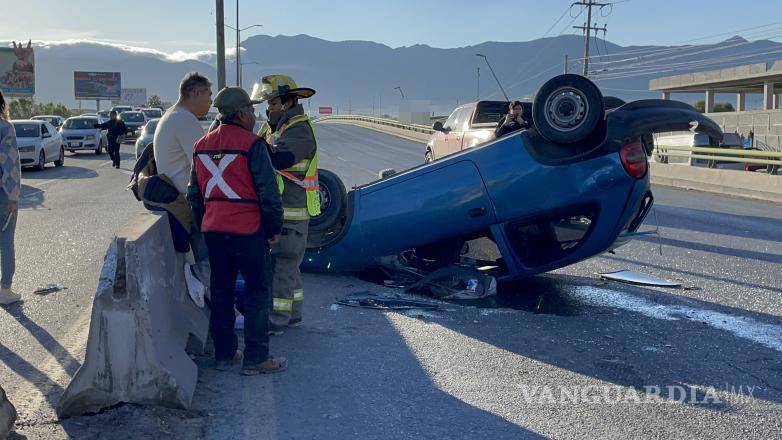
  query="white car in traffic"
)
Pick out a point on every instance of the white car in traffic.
point(79, 133)
point(39, 143)
point(146, 136)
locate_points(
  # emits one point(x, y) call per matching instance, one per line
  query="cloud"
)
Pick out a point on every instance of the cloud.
point(206, 56)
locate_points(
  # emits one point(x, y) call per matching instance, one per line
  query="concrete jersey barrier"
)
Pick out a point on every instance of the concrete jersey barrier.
point(142, 321)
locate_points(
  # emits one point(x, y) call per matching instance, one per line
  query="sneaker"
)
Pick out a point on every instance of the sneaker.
point(269, 366)
point(224, 365)
point(8, 296)
point(275, 331)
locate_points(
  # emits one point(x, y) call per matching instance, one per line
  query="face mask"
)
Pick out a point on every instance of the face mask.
point(275, 117)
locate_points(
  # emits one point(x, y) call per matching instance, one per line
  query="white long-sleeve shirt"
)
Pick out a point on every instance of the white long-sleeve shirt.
point(175, 136)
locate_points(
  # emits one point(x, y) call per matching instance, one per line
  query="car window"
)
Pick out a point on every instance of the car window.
point(151, 126)
point(132, 117)
point(44, 130)
point(27, 130)
point(80, 123)
point(464, 119)
point(490, 112)
point(450, 123)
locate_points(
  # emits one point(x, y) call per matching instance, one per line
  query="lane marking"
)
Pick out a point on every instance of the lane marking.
point(744, 327)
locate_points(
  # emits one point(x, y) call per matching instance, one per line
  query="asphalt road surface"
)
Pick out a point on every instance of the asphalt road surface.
point(562, 355)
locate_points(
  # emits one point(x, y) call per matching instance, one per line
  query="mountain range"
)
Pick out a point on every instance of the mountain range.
point(362, 76)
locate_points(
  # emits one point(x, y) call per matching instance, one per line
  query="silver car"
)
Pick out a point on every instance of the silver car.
point(146, 136)
point(55, 120)
point(79, 133)
point(39, 143)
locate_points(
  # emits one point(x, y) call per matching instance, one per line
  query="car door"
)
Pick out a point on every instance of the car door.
point(440, 144)
point(46, 140)
point(456, 133)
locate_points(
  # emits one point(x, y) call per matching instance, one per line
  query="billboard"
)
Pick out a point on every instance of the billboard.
point(325, 110)
point(134, 97)
point(17, 70)
point(97, 85)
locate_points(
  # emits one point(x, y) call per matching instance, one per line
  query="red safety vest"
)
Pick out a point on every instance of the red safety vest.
point(222, 169)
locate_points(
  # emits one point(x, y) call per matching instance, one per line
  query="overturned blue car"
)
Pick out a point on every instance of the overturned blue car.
point(574, 185)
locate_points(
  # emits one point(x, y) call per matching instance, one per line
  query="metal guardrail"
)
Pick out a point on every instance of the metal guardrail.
point(380, 121)
point(758, 157)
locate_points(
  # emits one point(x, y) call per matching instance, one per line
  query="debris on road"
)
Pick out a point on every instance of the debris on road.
point(456, 282)
point(386, 302)
point(50, 288)
point(7, 415)
point(630, 277)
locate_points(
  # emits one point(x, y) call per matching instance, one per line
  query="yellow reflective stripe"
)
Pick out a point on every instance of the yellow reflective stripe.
point(298, 295)
point(295, 214)
point(283, 304)
point(302, 166)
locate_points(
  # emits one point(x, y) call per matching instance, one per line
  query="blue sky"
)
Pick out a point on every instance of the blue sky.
point(187, 25)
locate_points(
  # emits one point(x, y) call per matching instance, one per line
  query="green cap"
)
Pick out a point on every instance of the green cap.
point(232, 100)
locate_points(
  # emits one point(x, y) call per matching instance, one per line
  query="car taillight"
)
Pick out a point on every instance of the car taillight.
point(633, 159)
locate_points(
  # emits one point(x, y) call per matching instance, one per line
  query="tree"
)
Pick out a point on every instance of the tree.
point(154, 101)
point(25, 109)
point(700, 105)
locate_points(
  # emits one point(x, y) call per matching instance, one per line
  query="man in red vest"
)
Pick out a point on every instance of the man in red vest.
point(236, 203)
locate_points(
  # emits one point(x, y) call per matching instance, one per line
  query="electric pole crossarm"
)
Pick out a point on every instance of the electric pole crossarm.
point(588, 27)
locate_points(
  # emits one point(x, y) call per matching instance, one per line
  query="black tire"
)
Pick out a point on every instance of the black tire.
point(333, 203)
point(567, 108)
point(428, 157)
point(72, 151)
point(772, 169)
point(100, 147)
point(61, 161)
point(41, 161)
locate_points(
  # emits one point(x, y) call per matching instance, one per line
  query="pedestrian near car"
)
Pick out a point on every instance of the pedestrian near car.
point(292, 132)
point(236, 203)
point(175, 135)
point(116, 131)
point(513, 121)
point(11, 185)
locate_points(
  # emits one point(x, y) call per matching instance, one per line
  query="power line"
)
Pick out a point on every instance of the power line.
point(587, 28)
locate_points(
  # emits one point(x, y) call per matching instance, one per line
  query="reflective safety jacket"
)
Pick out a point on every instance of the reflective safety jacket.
point(223, 175)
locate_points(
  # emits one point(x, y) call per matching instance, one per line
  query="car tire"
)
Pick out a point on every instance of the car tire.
point(100, 147)
point(567, 109)
point(333, 201)
point(61, 161)
point(41, 161)
point(429, 156)
point(772, 169)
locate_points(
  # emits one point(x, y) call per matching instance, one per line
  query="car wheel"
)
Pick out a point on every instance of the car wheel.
point(428, 157)
point(59, 162)
point(100, 147)
point(772, 169)
point(41, 161)
point(567, 108)
point(333, 201)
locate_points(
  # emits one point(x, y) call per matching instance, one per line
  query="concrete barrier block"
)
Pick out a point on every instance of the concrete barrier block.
point(7, 415)
point(142, 320)
point(731, 182)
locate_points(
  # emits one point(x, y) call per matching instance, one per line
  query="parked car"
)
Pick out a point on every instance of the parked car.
point(79, 133)
point(39, 143)
point(152, 113)
point(134, 121)
point(469, 125)
point(55, 120)
point(146, 136)
point(572, 187)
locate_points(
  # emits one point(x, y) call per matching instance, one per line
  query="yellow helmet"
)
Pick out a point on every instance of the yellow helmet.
point(273, 86)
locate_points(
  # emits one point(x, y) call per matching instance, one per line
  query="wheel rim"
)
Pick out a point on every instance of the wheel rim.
point(566, 109)
point(428, 157)
point(325, 198)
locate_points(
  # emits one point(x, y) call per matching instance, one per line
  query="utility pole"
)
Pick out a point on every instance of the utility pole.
point(219, 12)
point(238, 41)
point(587, 28)
point(478, 87)
point(491, 69)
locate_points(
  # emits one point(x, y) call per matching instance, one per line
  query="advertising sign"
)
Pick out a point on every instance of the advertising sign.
point(134, 97)
point(97, 85)
point(17, 70)
point(325, 110)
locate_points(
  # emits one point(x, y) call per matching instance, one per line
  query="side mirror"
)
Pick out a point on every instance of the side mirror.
point(438, 126)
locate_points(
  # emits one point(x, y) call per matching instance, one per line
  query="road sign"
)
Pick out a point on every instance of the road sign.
point(97, 85)
point(17, 72)
point(325, 110)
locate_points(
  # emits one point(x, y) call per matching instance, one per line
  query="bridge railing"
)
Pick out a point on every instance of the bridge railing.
point(379, 121)
point(737, 155)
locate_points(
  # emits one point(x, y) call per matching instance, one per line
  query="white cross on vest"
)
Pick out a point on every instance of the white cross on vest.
point(217, 175)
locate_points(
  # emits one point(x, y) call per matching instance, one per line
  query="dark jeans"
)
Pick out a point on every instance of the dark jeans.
point(113, 150)
point(229, 255)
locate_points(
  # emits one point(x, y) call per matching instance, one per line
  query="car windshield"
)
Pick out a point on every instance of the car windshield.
point(152, 113)
point(490, 112)
point(132, 117)
point(27, 130)
point(50, 119)
point(151, 126)
point(104, 115)
point(80, 123)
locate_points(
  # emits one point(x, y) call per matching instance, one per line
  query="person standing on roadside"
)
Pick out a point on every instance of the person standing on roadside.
point(176, 134)
point(10, 188)
point(236, 203)
point(116, 130)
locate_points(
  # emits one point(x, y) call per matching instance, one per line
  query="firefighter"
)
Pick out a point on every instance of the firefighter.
point(290, 130)
point(236, 202)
